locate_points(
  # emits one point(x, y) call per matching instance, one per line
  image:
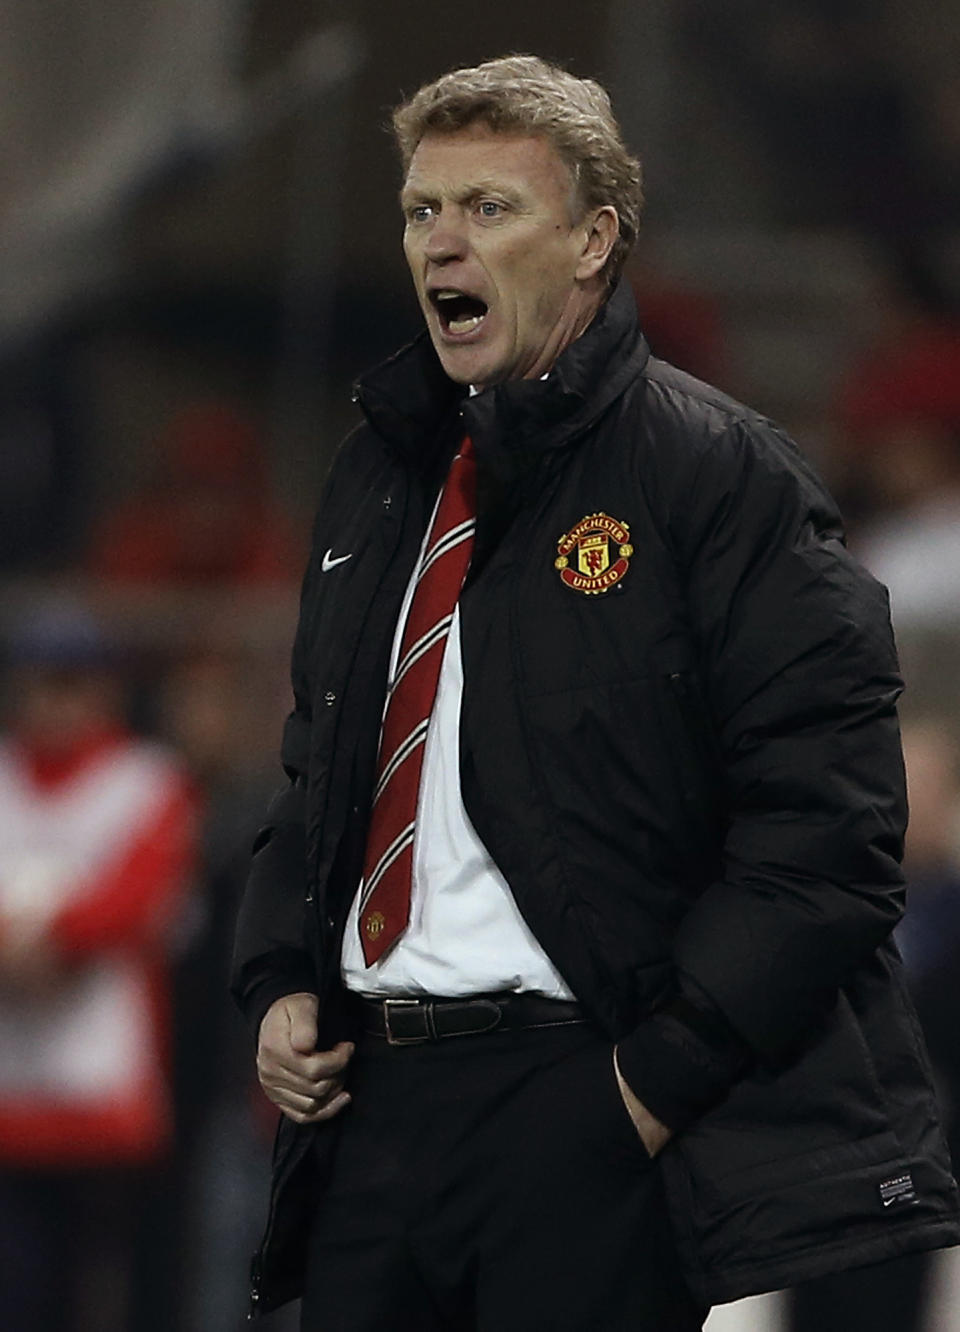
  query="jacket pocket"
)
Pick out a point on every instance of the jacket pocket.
point(824, 1098)
point(695, 755)
point(791, 1158)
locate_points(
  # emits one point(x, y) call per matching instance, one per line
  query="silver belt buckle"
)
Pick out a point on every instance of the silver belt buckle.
point(389, 1004)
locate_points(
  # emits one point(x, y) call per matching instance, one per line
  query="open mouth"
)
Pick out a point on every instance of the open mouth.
point(458, 312)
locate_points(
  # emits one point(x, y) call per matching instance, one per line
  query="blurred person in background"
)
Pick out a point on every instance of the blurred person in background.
point(205, 517)
point(898, 444)
point(96, 852)
point(579, 1002)
point(900, 413)
point(682, 324)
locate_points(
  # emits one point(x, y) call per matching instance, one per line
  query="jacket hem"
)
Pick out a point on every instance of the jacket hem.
point(736, 1283)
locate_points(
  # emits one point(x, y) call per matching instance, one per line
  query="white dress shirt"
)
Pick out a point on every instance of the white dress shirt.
point(466, 934)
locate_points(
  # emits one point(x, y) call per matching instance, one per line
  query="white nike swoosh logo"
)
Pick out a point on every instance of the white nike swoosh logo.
point(328, 562)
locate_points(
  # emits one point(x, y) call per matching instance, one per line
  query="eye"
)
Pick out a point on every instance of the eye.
point(419, 213)
point(489, 208)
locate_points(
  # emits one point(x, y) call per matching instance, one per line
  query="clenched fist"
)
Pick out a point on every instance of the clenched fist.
point(304, 1082)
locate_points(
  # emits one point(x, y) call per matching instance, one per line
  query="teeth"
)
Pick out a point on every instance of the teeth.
point(464, 325)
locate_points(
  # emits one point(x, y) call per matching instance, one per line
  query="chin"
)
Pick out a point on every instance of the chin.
point(457, 374)
point(463, 369)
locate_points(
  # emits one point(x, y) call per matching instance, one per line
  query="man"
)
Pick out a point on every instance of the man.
point(97, 847)
point(569, 956)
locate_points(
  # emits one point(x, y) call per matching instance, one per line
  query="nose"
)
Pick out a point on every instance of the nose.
point(447, 239)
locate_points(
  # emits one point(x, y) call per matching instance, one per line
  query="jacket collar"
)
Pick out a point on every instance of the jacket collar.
point(409, 399)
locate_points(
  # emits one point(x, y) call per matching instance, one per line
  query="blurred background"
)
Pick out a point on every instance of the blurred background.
point(201, 250)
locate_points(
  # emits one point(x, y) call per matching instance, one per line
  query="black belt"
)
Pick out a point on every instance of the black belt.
point(413, 1021)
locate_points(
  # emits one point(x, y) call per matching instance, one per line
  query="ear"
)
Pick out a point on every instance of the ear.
point(601, 229)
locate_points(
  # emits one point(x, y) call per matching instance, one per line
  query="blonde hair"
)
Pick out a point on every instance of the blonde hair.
point(524, 94)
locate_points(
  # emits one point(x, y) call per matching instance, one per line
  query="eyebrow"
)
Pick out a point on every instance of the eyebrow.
point(410, 194)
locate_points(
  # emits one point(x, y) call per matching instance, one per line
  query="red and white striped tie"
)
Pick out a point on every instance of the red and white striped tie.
point(388, 863)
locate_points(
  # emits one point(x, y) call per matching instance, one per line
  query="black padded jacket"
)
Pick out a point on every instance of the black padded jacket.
point(683, 756)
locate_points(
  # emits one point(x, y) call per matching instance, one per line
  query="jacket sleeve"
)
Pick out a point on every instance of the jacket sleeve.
point(801, 680)
point(270, 957)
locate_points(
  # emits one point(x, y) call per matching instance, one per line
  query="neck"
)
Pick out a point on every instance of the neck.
point(575, 318)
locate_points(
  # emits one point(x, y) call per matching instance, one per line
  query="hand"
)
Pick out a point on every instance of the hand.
point(653, 1133)
point(304, 1082)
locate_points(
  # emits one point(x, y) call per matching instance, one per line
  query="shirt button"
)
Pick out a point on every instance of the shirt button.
point(329, 698)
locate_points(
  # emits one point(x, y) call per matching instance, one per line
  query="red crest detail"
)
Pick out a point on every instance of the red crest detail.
point(585, 559)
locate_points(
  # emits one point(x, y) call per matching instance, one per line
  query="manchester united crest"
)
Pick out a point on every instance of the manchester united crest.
point(595, 554)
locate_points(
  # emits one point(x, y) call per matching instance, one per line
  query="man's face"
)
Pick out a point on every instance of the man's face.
point(504, 275)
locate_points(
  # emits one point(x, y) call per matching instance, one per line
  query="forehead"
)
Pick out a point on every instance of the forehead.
point(478, 156)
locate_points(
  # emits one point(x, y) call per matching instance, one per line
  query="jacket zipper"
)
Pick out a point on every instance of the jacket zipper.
point(255, 1279)
point(281, 1178)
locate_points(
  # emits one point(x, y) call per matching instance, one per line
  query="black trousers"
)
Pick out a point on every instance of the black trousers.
point(492, 1183)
